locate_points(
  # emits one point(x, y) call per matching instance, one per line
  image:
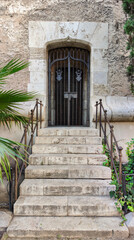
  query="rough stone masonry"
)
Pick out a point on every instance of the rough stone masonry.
point(15, 17)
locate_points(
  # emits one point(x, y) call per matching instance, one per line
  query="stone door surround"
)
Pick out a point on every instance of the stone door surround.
point(45, 35)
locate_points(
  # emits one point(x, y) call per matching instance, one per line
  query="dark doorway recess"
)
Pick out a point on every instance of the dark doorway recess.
point(69, 87)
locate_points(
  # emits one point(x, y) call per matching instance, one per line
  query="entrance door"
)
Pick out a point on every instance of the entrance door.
point(68, 87)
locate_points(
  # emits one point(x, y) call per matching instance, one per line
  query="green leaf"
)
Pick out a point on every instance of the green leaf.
point(112, 193)
point(13, 66)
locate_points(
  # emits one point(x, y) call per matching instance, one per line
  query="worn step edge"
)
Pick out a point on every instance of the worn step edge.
point(52, 159)
point(66, 131)
point(65, 206)
point(62, 148)
point(67, 139)
point(67, 227)
point(67, 171)
point(66, 187)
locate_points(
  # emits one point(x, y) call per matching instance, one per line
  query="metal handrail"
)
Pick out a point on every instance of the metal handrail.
point(30, 129)
point(103, 129)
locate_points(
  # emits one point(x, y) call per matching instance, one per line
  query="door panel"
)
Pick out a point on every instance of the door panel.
point(68, 87)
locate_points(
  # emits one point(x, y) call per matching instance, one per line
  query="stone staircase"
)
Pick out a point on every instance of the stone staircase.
point(65, 194)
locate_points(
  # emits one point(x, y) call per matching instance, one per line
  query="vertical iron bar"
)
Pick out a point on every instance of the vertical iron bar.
point(73, 89)
point(69, 87)
point(124, 190)
point(124, 184)
point(120, 165)
point(31, 128)
point(16, 180)
point(105, 126)
point(84, 121)
point(57, 99)
point(76, 87)
point(10, 191)
point(64, 87)
point(61, 90)
point(111, 144)
point(88, 91)
point(25, 143)
point(36, 117)
point(100, 115)
point(96, 115)
point(40, 114)
point(49, 91)
point(80, 114)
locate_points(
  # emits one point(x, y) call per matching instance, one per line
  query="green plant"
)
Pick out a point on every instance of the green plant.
point(9, 107)
point(128, 199)
point(128, 6)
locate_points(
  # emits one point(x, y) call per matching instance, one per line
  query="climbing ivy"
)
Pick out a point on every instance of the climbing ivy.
point(128, 6)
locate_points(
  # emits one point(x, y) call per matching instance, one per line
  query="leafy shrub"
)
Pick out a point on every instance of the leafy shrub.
point(128, 169)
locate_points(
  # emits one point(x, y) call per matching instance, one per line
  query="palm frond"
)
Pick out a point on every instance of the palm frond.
point(7, 150)
point(12, 98)
point(7, 118)
point(12, 67)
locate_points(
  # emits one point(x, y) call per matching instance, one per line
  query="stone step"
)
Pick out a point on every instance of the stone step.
point(67, 238)
point(65, 187)
point(67, 140)
point(68, 131)
point(65, 206)
point(67, 171)
point(66, 149)
point(51, 228)
point(53, 159)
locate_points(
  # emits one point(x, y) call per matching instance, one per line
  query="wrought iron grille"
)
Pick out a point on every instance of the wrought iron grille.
point(69, 87)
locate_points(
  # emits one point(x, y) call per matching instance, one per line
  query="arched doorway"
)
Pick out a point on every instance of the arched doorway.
point(69, 87)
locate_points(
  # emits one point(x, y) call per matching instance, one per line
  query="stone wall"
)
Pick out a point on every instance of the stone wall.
point(14, 21)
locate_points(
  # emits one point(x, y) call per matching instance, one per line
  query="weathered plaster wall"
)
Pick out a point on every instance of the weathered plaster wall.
point(15, 17)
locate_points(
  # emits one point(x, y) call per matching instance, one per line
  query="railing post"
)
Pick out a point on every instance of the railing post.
point(120, 165)
point(111, 144)
point(25, 142)
point(16, 180)
point(100, 115)
point(40, 114)
point(10, 192)
point(124, 190)
point(105, 126)
point(96, 114)
point(31, 128)
point(37, 117)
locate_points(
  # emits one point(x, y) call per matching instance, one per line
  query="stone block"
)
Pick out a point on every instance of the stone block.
point(66, 149)
point(67, 227)
point(5, 219)
point(67, 140)
point(65, 187)
point(100, 77)
point(37, 65)
point(50, 159)
point(65, 206)
point(69, 131)
point(130, 222)
point(66, 171)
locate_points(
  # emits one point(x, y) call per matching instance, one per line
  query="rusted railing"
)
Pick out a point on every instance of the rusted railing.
point(103, 123)
point(30, 129)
